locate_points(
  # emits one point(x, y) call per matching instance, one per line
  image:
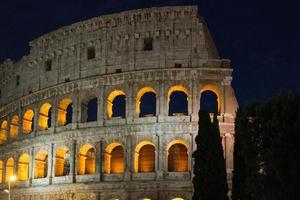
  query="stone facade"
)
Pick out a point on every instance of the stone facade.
point(96, 58)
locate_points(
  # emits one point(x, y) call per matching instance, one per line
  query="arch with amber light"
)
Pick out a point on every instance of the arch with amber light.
point(3, 132)
point(177, 155)
point(181, 90)
point(41, 164)
point(144, 157)
point(216, 91)
point(28, 121)
point(139, 102)
point(14, 127)
point(114, 159)
point(110, 102)
point(177, 198)
point(45, 116)
point(1, 171)
point(62, 162)
point(86, 160)
point(64, 112)
point(9, 170)
point(23, 167)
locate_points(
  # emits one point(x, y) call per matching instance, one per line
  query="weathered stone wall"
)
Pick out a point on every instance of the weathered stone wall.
point(179, 36)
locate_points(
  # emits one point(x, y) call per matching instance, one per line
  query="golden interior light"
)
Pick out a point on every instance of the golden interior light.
point(27, 121)
point(9, 169)
point(215, 90)
point(43, 116)
point(177, 158)
point(41, 164)
point(110, 100)
point(60, 161)
point(62, 111)
point(23, 167)
point(1, 170)
point(3, 132)
point(144, 158)
point(86, 160)
point(14, 126)
point(114, 158)
point(177, 198)
point(139, 95)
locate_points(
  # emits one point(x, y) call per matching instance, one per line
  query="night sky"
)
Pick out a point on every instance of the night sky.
point(261, 37)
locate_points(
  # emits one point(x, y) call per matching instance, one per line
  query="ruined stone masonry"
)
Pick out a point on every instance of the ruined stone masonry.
point(61, 132)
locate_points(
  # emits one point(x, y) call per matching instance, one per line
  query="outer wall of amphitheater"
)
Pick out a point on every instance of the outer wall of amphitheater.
point(55, 149)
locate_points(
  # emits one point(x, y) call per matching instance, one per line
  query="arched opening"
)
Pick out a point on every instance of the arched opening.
point(62, 162)
point(1, 171)
point(64, 112)
point(177, 157)
point(178, 101)
point(45, 116)
point(9, 169)
point(86, 160)
point(209, 102)
point(23, 167)
point(89, 110)
point(3, 132)
point(28, 124)
point(14, 127)
point(41, 164)
point(177, 198)
point(114, 159)
point(145, 157)
point(210, 99)
point(146, 102)
point(116, 104)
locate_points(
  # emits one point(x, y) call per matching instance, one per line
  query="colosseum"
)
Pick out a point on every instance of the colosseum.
point(107, 108)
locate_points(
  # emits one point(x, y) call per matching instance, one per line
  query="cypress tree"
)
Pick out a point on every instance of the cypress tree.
point(209, 166)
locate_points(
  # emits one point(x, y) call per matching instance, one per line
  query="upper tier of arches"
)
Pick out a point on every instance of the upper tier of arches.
point(117, 104)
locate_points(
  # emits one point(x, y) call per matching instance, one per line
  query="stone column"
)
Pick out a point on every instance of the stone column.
point(195, 101)
point(102, 154)
point(159, 160)
point(162, 96)
point(129, 156)
point(51, 166)
point(35, 122)
point(31, 169)
point(76, 110)
point(100, 111)
point(73, 160)
point(129, 104)
point(98, 155)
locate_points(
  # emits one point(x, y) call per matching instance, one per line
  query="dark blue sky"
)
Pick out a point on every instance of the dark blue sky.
point(261, 37)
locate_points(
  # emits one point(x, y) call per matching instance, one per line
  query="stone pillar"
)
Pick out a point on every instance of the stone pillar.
point(159, 160)
point(51, 163)
point(35, 122)
point(8, 138)
point(101, 158)
point(162, 96)
point(76, 110)
point(101, 104)
point(98, 155)
point(31, 169)
point(130, 109)
point(195, 101)
point(73, 160)
point(129, 156)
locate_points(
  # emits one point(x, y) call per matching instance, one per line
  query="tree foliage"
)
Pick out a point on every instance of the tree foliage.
point(209, 167)
point(266, 152)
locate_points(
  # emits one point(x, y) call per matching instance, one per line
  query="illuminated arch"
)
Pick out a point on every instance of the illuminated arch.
point(9, 168)
point(14, 127)
point(177, 88)
point(41, 164)
point(177, 154)
point(28, 121)
point(177, 198)
point(23, 167)
point(144, 157)
point(139, 95)
point(215, 90)
point(114, 158)
point(110, 100)
point(62, 111)
point(3, 132)
point(1, 170)
point(86, 160)
point(45, 116)
point(62, 163)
